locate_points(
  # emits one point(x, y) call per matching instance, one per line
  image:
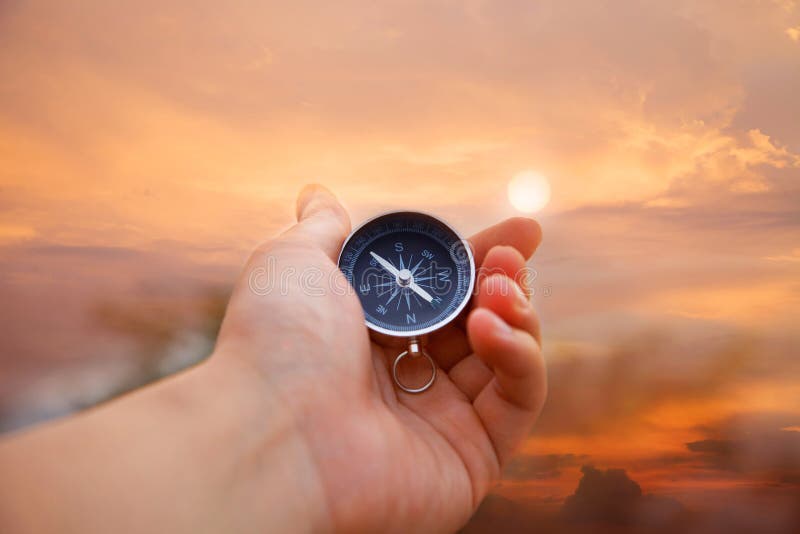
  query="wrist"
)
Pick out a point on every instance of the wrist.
point(270, 476)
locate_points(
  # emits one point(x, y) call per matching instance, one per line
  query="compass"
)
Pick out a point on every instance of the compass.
point(412, 273)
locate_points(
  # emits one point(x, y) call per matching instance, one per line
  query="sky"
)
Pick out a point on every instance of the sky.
point(146, 148)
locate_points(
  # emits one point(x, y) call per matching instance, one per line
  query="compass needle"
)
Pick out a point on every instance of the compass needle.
point(421, 292)
point(385, 264)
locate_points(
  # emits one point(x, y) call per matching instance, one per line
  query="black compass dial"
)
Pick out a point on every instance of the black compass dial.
point(411, 271)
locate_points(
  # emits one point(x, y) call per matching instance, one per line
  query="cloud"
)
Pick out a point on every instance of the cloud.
point(718, 447)
point(119, 309)
point(610, 496)
point(792, 479)
point(541, 466)
point(500, 514)
point(608, 500)
point(647, 263)
point(11, 233)
point(88, 253)
point(605, 500)
point(761, 445)
point(616, 388)
point(452, 95)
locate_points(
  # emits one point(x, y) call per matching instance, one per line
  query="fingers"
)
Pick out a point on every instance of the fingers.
point(470, 375)
point(519, 232)
point(511, 353)
point(511, 401)
point(508, 300)
point(503, 330)
point(502, 295)
point(321, 221)
point(449, 345)
point(506, 260)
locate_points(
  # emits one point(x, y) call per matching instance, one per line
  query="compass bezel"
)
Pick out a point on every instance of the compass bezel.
point(461, 305)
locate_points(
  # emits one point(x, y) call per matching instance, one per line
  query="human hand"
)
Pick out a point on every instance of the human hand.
point(294, 424)
point(375, 458)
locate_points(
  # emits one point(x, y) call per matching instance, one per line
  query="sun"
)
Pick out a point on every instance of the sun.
point(529, 191)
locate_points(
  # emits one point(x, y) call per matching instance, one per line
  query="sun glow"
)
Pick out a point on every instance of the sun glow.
point(529, 191)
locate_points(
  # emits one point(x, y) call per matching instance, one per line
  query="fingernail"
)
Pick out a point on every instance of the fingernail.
point(308, 199)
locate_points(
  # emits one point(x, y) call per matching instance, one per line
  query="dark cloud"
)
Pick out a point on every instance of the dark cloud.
point(74, 311)
point(604, 501)
point(790, 480)
point(609, 501)
point(719, 447)
point(123, 342)
point(591, 392)
point(760, 445)
point(610, 496)
point(541, 466)
point(499, 514)
point(759, 448)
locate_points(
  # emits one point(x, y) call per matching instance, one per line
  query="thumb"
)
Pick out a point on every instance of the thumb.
point(321, 221)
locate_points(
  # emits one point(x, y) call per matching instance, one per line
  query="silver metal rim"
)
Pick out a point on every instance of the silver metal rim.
point(405, 388)
point(455, 312)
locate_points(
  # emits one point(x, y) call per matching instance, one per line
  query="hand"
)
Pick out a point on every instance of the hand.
point(294, 424)
point(385, 460)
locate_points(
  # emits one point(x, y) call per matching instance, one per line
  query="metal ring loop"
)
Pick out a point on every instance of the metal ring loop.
point(406, 388)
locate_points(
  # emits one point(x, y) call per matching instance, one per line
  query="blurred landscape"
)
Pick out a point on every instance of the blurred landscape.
point(147, 149)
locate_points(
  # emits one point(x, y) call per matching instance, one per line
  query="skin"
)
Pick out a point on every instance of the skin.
point(294, 423)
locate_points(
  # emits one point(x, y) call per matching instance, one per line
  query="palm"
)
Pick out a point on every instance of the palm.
point(437, 450)
point(385, 458)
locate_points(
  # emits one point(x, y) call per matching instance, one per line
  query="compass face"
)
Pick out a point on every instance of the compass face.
point(412, 272)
